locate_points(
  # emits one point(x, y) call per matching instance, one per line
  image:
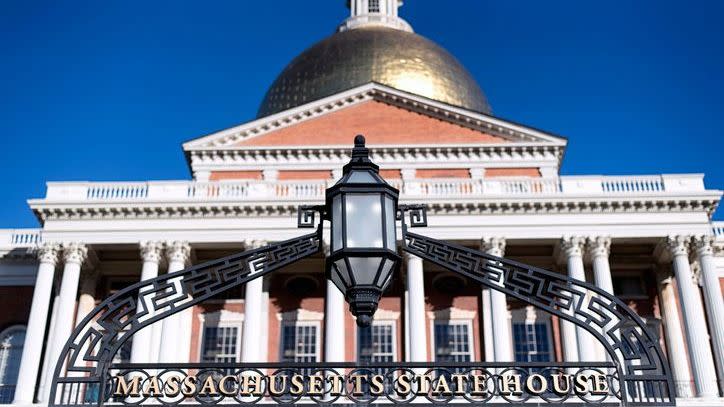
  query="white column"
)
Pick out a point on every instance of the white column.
point(599, 249)
point(488, 336)
point(172, 334)
point(147, 341)
point(577, 342)
point(73, 255)
point(334, 332)
point(251, 345)
point(674, 338)
point(712, 297)
point(702, 363)
point(41, 393)
point(416, 294)
point(35, 333)
point(502, 332)
point(87, 296)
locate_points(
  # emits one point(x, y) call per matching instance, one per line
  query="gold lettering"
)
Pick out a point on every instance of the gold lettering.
point(459, 380)
point(480, 385)
point(188, 387)
point(209, 387)
point(441, 387)
point(531, 387)
point(403, 385)
point(510, 385)
point(223, 386)
point(171, 387)
point(377, 385)
point(153, 388)
point(423, 384)
point(250, 384)
point(357, 388)
point(273, 389)
point(316, 387)
point(337, 382)
point(297, 386)
point(600, 384)
point(123, 388)
point(565, 379)
point(581, 386)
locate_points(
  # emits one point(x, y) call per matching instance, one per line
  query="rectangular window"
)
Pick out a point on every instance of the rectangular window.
point(299, 342)
point(374, 6)
point(452, 341)
point(376, 343)
point(220, 344)
point(532, 342)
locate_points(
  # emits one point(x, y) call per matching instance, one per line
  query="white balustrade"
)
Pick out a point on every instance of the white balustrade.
point(313, 190)
point(20, 238)
point(718, 229)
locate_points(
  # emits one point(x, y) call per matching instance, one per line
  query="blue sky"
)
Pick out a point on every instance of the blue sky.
point(108, 90)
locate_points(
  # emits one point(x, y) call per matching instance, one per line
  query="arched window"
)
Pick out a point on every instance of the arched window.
point(11, 349)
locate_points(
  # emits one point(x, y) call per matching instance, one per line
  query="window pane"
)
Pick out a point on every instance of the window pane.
point(220, 344)
point(531, 342)
point(11, 349)
point(299, 343)
point(452, 342)
point(363, 220)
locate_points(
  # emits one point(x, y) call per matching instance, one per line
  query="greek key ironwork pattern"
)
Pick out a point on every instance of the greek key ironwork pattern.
point(95, 341)
point(642, 367)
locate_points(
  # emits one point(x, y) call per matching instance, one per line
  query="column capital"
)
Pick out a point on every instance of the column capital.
point(572, 245)
point(74, 252)
point(598, 246)
point(178, 251)
point(678, 245)
point(704, 245)
point(493, 245)
point(151, 251)
point(251, 244)
point(48, 252)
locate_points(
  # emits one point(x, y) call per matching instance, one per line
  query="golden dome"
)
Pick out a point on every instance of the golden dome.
point(396, 58)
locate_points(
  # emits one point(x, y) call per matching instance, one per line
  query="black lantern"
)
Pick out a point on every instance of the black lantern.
point(362, 209)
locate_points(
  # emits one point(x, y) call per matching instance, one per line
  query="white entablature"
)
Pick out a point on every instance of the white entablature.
point(519, 145)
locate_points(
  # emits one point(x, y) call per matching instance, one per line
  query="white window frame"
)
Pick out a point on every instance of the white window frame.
point(301, 323)
point(4, 333)
point(387, 322)
point(449, 317)
point(531, 316)
point(220, 319)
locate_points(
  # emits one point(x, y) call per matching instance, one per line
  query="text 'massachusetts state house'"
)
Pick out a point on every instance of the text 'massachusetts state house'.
point(488, 183)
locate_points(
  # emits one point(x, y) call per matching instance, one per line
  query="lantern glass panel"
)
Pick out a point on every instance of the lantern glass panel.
point(341, 267)
point(336, 223)
point(337, 280)
point(363, 220)
point(364, 269)
point(361, 177)
point(390, 222)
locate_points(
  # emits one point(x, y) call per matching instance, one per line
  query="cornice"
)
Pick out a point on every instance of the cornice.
point(451, 206)
point(491, 155)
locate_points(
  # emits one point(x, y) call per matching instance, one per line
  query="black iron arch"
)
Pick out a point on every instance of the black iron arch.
point(644, 374)
point(91, 347)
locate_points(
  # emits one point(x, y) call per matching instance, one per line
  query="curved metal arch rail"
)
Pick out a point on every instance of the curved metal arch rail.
point(644, 375)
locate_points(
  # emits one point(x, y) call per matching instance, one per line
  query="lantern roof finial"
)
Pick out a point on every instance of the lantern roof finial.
point(360, 157)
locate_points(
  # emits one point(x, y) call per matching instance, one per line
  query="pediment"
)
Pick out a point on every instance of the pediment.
point(386, 116)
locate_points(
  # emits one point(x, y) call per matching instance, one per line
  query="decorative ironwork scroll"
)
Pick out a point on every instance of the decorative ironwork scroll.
point(644, 373)
point(90, 349)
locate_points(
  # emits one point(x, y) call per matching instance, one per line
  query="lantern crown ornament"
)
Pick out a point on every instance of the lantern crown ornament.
point(362, 210)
